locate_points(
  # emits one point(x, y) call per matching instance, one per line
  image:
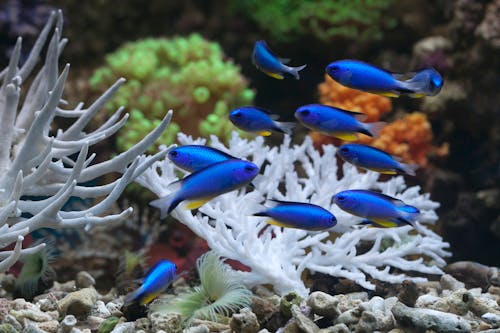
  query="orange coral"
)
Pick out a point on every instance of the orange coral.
point(409, 138)
point(335, 94)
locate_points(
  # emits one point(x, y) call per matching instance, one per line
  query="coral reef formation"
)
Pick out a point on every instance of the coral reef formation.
point(36, 162)
point(409, 138)
point(189, 74)
point(279, 256)
point(361, 20)
point(334, 94)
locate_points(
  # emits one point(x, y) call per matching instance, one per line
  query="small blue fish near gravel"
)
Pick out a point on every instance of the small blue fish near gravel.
point(264, 59)
point(336, 122)
point(382, 210)
point(374, 159)
point(256, 120)
point(193, 158)
point(299, 215)
point(156, 281)
point(204, 185)
point(366, 77)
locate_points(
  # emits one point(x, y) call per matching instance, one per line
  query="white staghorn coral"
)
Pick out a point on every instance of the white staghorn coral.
point(278, 256)
point(34, 163)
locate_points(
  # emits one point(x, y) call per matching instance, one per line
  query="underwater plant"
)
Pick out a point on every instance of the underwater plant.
point(38, 159)
point(279, 256)
point(362, 20)
point(219, 294)
point(189, 74)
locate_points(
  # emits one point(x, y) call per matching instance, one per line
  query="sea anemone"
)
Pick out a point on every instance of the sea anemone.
point(219, 294)
point(36, 271)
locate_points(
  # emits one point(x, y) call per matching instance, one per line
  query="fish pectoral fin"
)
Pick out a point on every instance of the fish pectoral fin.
point(345, 136)
point(148, 298)
point(275, 75)
point(195, 204)
point(265, 133)
point(384, 223)
point(404, 221)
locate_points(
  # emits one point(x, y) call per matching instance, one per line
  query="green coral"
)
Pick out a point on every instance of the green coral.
point(188, 74)
point(218, 295)
point(324, 19)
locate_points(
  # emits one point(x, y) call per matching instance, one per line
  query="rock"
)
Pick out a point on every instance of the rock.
point(459, 301)
point(100, 310)
point(346, 303)
point(374, 321)
point(108, 325)
point(287, 302)
point(304, 323)
point(263, 331)
point(492, 318)
point(197, 329)
point(212, 326)
point(408, 293)
point(482, 304)
point(84, 280)
point(124, 328)
point(263, 309)
point(9, 319)
point(448, 282)
point(68, 323)
point(262, 291)
point(471, 273)
point(143, 324)
point(432, 302)
point(349, 317)
point(78, 303)
point(7, 328)
point(244, 322)
point(169, 322)
point(32, 314)
point(114, 308)
point(323, 304)
point(50, 326)
point(376, 304)
point(8, 282)
point(67, 287)
point(47, 304)
point(339, 328)
point(94, 322)
point(426, 319)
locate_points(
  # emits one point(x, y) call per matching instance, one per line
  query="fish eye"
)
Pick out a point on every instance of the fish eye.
point(334, 68)
point(305, 112)
point(344, 149)
point(173, 153)
point(237, 114)
point(340, 197)
point(249, 168)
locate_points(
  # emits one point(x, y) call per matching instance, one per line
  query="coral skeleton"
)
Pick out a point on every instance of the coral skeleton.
point(279, 256)
point(34, 162)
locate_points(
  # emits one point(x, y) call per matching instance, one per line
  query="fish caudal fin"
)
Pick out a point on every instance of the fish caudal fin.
point(166, 204)
point(294, 71)
point(408, 214)
point(408, 169)
point(373, 129)
point(284, 127)
point(132, 296)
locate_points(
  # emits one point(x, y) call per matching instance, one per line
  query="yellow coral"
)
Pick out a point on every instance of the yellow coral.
point(334, 94)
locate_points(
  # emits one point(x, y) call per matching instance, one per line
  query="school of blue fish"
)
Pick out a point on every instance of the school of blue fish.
point(214, 172)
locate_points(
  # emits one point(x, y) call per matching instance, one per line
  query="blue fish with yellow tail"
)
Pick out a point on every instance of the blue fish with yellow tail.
point(299, 215)
point(264, 59)
point(193, 158)
point(374, 159)
point(383, 210)
point(256, 120)
point(156, 281)
point(204, 185)
point(366, 77)
point(336, 122)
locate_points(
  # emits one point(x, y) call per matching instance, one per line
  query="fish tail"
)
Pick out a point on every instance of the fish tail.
point(260, 214)
point(409, 169)
point(284, 127)
point(414, 85)
point(132, 296)
point(408, 214)
point(373, 129)
point(166, 204)
point(295, 71)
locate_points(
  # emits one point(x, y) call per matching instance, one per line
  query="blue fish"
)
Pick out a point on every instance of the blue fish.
point(374, 159)
point(193, 158)
point(299, 215)
point(264, 59)
point(336, 122)
point(381, 209)
point(362, 76)
point(204, 185)
point(156, 281)
point(252, 119)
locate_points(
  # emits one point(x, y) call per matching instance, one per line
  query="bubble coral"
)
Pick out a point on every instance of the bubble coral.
point(188, 73)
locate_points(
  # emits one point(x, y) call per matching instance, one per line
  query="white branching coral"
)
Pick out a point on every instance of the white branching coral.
point(34, 162)
point(279, 256)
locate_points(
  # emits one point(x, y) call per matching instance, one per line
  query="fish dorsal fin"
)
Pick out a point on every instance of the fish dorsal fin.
point(151, 269)
point(358, 115)
point(175, 185)
point(283, 60)
point(395, 202)
point(273, 116)
point(275, 202)
point(396, 158)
